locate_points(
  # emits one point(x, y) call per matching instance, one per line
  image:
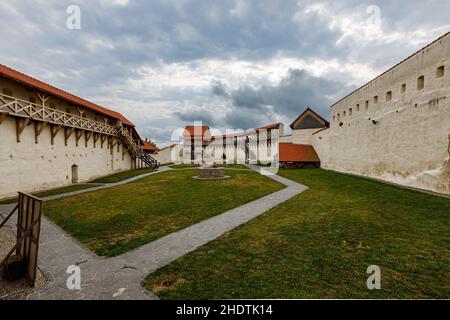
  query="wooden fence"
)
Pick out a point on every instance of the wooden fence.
point(29, 209)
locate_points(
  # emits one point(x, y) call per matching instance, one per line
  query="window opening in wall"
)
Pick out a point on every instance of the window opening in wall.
point(366, 105)
point(338, 116)
point(375, 99)
point(343, 114)
point(440, 72)
point(403, 88)
point(350, 111)
point(389, 96)
point(420, 83)
point(74, 173)
point(334, 118)
point(357, 107)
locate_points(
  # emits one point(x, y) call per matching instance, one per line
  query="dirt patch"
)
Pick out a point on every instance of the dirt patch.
point(352, 244)
point(17, 289)
point(167, 284)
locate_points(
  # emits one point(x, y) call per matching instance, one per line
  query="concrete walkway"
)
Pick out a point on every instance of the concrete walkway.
point(120, 277)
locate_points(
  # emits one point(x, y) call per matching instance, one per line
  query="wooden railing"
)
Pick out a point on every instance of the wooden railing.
point(21, 108)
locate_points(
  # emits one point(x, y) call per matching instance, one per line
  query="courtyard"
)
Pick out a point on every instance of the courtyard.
point(250, 236)
point(319, 245)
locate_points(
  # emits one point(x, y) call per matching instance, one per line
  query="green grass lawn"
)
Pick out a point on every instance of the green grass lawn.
point(115, 220)
point(116, 177)
point(298, 249)
point(52, 192)
point(183, 166)
point(191, 166)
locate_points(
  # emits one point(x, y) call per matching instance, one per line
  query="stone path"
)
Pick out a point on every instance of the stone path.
point(120, 277)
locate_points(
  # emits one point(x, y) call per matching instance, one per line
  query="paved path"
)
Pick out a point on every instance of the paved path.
point(120, 277)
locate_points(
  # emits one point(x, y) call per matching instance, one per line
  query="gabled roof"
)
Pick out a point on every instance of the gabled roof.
point(149, 146)
point(291, 152)
point(194, 131)
point(42, 86)
point(327, 124)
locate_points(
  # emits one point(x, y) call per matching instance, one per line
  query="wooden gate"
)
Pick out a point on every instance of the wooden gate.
point(28, 231)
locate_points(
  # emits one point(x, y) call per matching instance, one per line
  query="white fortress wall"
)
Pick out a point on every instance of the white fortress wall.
point(163, 156)
point(404, 139)
point(27, 166)
point(300, 136)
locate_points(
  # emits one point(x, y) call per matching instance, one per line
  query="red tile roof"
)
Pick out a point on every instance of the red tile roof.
point(195, 130)
point(291, 152)
point(42, 86)
point(149, 146)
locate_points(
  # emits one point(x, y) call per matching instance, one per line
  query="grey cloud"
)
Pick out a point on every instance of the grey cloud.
point(297, 91)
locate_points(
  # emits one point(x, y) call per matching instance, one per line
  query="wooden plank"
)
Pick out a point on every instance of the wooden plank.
point(102, 140)
point(20, 126)
point(38, 128)
point(96, 136)
point(3, 116)
point(87, 136)
point(78, 134)
point(54, 129)
point(67, 133)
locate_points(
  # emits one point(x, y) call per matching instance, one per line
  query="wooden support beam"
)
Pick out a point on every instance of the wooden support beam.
point(96, 136)
point(78, 134)
point(102, 140)
point(3, 116)
point(43, 97)
point(21, 123)
point(67, 133)
point(54, 129)
point(124, 151)
point(38, 128)
point(112, 144)
point(87, 136)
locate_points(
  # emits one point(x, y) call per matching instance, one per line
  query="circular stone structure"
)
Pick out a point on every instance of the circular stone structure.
point(211, 173)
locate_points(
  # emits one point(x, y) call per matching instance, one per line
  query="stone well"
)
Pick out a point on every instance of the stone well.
point(211, 173)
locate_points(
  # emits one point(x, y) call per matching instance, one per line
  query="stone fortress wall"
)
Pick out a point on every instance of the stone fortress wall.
point(29, 166)
point(396, 127)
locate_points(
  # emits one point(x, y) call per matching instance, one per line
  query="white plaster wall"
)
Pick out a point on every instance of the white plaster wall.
point(410, 140)
point(27, 166)
point(301, 136)
point(163, 156)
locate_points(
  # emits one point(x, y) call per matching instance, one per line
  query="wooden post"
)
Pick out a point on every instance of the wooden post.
point(102, 140)
point(96, 136)
point(67, 133)
point(78, 134)
point(38, 128)
point(43, 97)
point(54, 129)
point(124, 151)
point(3, 116)
point(20, 126)
point(87, 136)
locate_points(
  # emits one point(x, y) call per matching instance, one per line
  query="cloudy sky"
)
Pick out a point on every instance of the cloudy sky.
point(229, 63)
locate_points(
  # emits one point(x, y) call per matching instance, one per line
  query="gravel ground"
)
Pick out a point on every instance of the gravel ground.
point(18, 289)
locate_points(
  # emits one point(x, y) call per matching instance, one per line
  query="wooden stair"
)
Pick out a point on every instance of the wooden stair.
point(136, 151)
